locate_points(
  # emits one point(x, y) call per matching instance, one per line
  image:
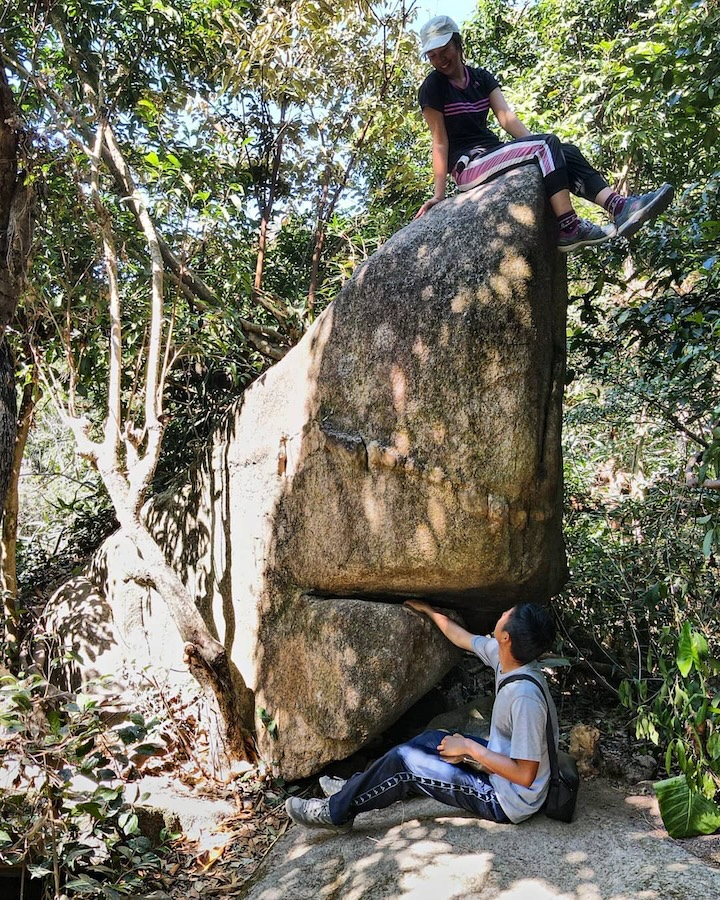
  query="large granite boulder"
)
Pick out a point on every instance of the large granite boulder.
point(408, 446)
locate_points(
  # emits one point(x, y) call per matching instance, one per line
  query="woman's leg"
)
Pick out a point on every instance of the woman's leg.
point(628, 213)
point(565, 169)
point(584, 180)
point(412, 769)
point(543, 149)
point(547, 152)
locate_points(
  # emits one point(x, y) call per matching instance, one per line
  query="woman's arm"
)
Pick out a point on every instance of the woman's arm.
point(436, 124)
point(455, 633)
point(506, 116)
point(455, 748)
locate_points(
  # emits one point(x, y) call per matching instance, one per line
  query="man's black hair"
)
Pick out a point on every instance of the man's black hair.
point(532, 631)
point(457, 41)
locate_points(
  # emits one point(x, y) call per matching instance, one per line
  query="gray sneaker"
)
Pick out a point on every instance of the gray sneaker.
point(330, 785)
point(314, 813)
point(587, 234)
point(638, 210)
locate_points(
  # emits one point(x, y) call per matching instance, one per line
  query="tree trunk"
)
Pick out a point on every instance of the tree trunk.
point(318, 241)
point(266, 208)
point(126, 459)
point(8, 297)
point(16, 209)
point(8, 417)
point(16, 214)
point(232, 702)
point(8, 542)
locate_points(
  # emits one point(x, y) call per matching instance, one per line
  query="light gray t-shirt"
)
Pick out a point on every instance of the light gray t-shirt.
point(517, 730)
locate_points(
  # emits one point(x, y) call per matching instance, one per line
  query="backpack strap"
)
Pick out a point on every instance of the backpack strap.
point(549, 736)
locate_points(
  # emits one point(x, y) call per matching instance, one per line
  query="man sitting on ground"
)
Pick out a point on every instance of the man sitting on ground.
point(504, 779)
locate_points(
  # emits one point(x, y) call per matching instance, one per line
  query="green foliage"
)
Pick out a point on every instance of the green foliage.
point(634, 533)
point(685, 812)
point(67, 815)
point(678, 711)
point(65, 513)
point(682, 718)
point(633, 82)
point(641, 412)
point(268, 722)
point(203, 100)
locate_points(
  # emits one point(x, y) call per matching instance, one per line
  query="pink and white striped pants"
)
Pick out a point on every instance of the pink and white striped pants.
point(563, 167)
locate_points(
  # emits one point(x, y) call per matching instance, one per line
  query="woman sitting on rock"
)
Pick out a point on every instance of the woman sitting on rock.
point(455, 100)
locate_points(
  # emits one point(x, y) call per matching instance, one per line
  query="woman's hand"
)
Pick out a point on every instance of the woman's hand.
point(428, 204)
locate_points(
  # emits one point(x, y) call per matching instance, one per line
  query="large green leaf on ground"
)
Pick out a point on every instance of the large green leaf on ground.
point(685, 812)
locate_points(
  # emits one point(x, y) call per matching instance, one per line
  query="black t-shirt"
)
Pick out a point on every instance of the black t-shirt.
point(465, 110)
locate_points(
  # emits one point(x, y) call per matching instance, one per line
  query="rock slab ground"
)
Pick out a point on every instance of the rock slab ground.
point(421, 850)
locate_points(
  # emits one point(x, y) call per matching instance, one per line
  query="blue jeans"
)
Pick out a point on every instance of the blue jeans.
point(416, 769)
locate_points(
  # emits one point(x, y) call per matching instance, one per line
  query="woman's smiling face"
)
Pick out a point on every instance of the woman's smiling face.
point(445, 59)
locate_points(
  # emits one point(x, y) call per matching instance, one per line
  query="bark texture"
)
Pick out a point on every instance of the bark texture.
point(8, 418)
point(8, 541)
point(16, 209)
point(16, 218)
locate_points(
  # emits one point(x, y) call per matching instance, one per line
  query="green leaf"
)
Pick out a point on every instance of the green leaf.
point(700, 646)
point(713, 745)
point(681, 755)
point(625, 693)
point(668, 758)
point(39, 871)
point(701, 714)
point(685, 651)
point(128, 822)
point(22, 700)
point(83, 885)
point(686, 813)
point(708, 542)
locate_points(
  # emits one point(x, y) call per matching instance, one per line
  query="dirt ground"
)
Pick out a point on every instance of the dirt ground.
point(617, 772)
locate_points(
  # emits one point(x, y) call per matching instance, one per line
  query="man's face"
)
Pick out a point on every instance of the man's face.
point(444, 59)
point(500, 625)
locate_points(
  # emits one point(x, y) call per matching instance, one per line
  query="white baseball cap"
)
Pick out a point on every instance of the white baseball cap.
point(436, 33)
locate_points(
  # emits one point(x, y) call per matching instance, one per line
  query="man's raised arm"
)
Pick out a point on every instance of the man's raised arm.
point(455, 633)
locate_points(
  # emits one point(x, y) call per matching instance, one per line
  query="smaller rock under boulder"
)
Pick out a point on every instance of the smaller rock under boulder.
point(351, 668)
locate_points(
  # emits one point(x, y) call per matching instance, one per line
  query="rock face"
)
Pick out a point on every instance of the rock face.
point(408, 446)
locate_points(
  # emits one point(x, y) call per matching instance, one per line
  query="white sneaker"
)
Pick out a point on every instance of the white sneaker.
point(314, 813)
point(330, 785)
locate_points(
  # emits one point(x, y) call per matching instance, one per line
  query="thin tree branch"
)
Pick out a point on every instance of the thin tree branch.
point(114, 414)
point(264, 343)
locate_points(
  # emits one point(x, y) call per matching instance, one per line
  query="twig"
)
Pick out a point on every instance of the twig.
point(584, 660)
